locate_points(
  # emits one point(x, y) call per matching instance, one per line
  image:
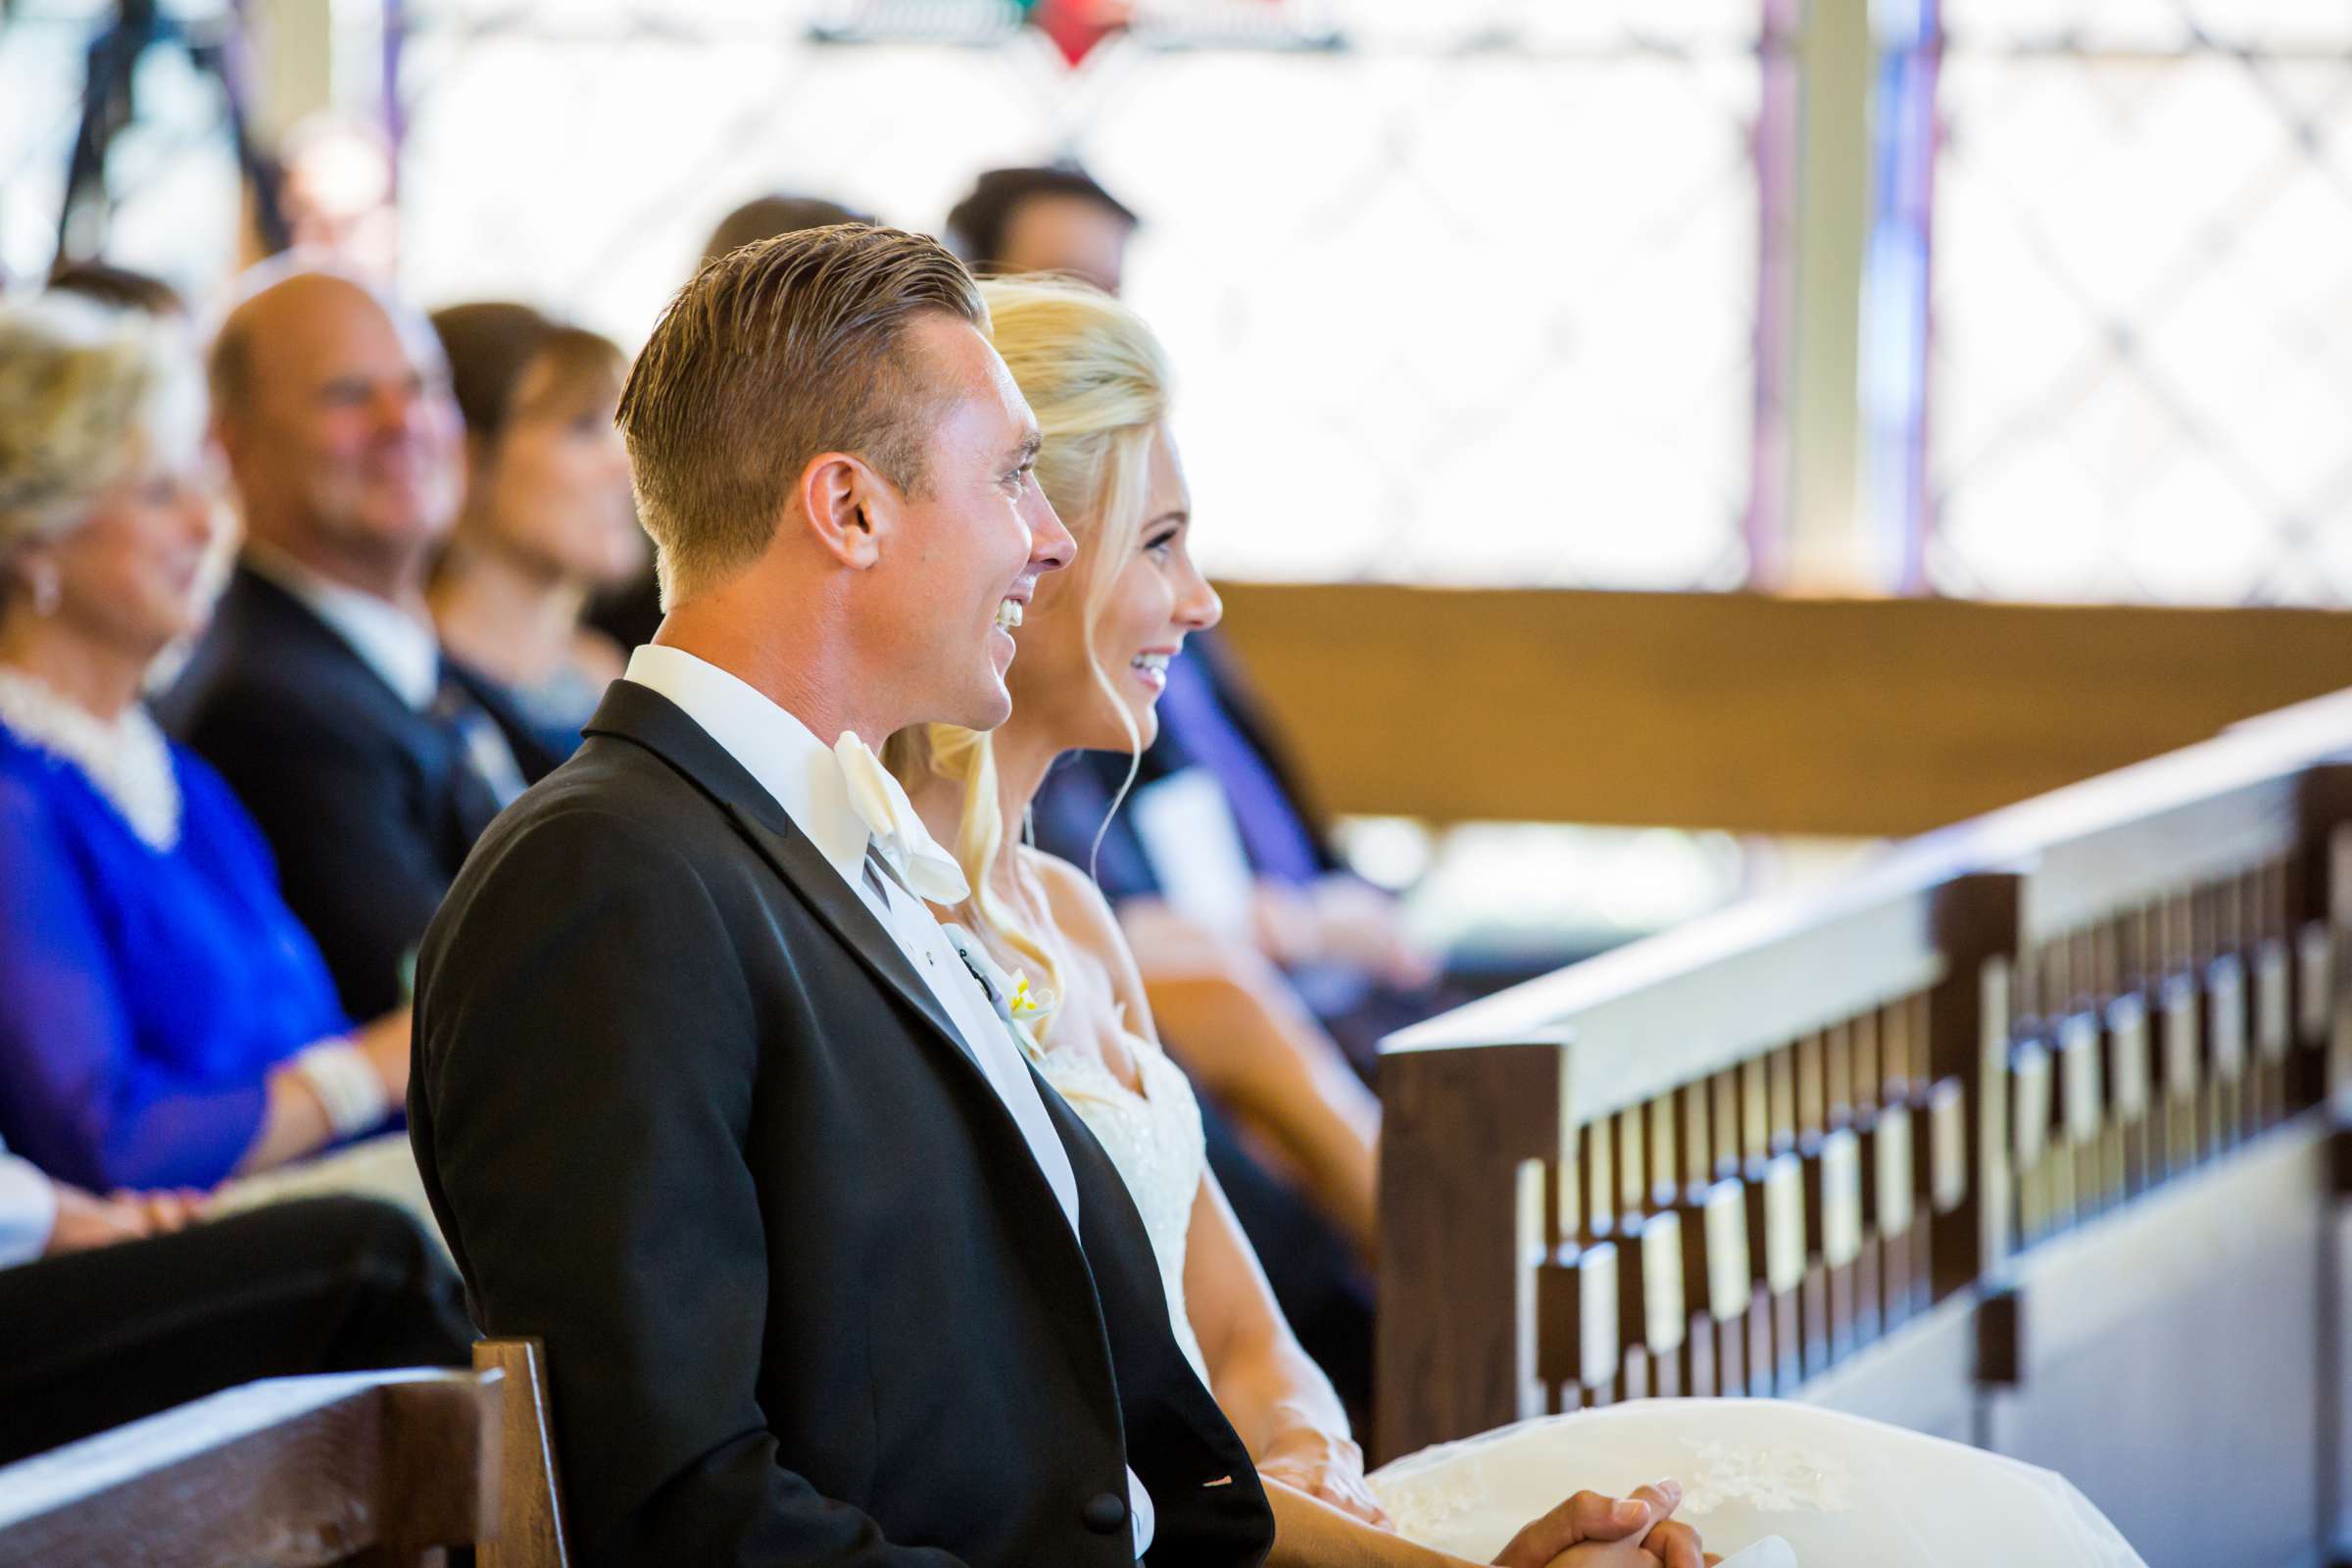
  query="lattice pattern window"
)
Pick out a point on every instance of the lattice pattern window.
point(2142, 374)
point(172, 173)
point(1468, 297)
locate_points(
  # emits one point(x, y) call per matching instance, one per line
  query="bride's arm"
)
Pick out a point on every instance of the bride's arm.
point(1272, 1391)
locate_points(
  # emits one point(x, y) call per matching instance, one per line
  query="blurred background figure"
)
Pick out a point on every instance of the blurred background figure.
point(322, 693)
point(767, 217)
point(548, 519)
point(1051, 220)
point(164, 1020)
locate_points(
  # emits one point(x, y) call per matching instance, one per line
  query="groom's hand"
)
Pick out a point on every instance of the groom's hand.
point(1591, 1531)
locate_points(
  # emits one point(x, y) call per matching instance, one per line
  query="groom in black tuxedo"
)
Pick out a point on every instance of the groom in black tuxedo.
point(824, 1276)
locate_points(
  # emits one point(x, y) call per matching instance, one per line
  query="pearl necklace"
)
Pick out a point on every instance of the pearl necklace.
point(126, 760)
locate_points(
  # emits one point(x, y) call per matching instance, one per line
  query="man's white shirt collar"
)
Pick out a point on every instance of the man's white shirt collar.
point(401, 649)
point(776, 747)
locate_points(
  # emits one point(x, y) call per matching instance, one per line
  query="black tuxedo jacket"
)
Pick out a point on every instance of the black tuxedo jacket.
point(369, 805)
point(685, 1111)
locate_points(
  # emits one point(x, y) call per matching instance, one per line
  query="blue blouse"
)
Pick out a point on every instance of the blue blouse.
point(144, 994)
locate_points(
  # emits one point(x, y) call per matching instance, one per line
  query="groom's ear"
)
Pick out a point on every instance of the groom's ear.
point(849, 507)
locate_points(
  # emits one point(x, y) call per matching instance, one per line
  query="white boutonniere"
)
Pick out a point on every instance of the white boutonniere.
point(1028, 1000)
point(1019, 1003)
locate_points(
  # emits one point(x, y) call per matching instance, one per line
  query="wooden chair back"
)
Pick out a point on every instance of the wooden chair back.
point(530, 1518)
point(378, 1467)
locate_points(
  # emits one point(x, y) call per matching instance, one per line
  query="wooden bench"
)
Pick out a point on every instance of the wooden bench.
point(1910, 1145)
point(365, 1467)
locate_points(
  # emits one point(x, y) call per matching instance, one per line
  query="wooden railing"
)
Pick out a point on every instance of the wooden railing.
point(1743, 1155)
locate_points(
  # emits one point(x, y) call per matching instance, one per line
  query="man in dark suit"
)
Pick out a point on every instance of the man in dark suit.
point(371, 760)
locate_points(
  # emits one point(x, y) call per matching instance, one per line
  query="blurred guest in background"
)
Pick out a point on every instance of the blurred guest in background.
point(630, 614)
point(164, 1022)
point(322, 693)
point(767, 217)
point(1055, 220)
point(548, 516)
point(120, 289)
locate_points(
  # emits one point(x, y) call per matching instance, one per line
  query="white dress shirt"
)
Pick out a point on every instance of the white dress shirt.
point(27, 1209)
point(804, 777)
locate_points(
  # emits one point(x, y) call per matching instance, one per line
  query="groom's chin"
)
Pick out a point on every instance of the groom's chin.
point(990, 705)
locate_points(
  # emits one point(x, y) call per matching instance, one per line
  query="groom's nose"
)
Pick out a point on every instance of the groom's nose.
point(1051, 547)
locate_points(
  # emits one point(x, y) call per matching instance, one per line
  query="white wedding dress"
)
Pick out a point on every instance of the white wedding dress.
point(1768, 1483)
point(1771, 1484)
point(1156, 1141)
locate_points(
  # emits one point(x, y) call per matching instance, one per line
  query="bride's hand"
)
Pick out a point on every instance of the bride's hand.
point(1324, 1467)
point(1591, 1531)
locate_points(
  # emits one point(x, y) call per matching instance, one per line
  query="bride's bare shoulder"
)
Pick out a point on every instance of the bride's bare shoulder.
point(1079, 908)
point(1088, 924)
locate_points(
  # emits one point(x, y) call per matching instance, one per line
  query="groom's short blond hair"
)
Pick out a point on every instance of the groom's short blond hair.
point(773, 354)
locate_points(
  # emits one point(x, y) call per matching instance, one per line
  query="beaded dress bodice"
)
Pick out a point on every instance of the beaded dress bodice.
point(1154, 1138)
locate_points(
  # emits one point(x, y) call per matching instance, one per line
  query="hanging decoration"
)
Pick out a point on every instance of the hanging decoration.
point(1078, 28)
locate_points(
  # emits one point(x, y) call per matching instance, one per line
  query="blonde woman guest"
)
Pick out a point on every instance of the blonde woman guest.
point(1094, 644)
point(164, 1022)
point(548, 519)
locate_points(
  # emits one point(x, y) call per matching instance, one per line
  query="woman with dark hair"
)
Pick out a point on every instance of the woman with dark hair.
point(548, 519)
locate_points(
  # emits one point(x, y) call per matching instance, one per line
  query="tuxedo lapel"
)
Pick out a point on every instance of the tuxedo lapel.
point(638, 713)
point(836, 904)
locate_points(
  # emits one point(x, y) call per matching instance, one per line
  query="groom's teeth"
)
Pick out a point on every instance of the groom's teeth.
point(1008, 613)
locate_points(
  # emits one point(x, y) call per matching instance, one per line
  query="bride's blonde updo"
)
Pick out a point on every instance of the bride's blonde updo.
point(1097, 381)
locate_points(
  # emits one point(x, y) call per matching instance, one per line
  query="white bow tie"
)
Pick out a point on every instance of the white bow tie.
point(929, 872)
